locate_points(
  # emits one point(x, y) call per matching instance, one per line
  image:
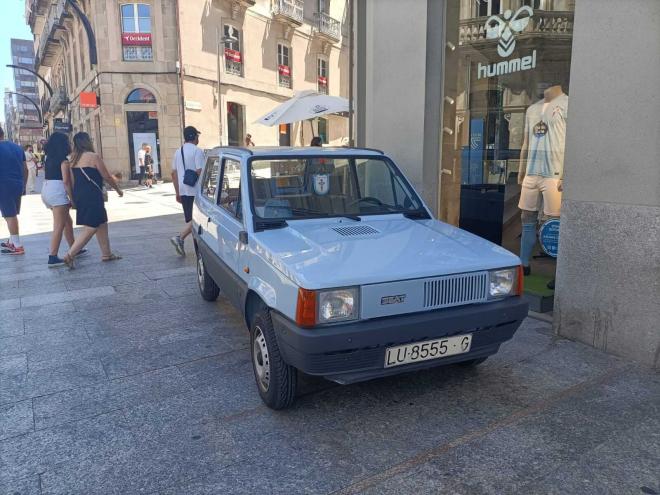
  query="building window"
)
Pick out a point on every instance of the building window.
point(324, 6)
point(488, 7)
point(136, 32)
point(233, 55)
point(283, 65)
point(322, 75)
point(141, 95)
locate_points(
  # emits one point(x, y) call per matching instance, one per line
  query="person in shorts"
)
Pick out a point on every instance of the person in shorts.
point(188, 157)
point(142, 166)
point(13, 178)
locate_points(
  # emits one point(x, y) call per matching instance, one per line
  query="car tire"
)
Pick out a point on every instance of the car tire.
point(472, 362)
point(207, 286)
point(276, 380)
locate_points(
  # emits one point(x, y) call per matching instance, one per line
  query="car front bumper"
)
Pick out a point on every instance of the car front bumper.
point(354, 352)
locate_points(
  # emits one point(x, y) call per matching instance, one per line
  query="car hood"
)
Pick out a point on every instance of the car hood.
point(325, 253)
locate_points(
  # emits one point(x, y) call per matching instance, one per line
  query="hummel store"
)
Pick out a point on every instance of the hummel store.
point(505, 109)
point(472, 99)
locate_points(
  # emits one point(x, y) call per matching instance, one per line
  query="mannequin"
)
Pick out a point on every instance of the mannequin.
point(543, 154)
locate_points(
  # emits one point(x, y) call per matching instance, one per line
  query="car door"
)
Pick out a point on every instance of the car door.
point(228, 217)
point(207, 229)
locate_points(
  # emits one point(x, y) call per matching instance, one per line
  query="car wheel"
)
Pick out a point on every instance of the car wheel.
point(472, 362)
point(207, 286)
point(276, 380)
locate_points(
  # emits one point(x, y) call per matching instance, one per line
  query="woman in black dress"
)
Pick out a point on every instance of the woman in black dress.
point(83, 178)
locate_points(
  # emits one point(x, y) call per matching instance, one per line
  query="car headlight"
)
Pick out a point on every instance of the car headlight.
point(503, 282)
point(338, 305)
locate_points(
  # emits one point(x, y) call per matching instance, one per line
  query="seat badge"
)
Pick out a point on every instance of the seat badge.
point(321, 184)
point(399, 299)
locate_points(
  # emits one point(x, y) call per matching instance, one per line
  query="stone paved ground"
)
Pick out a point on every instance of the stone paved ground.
point(118, 378)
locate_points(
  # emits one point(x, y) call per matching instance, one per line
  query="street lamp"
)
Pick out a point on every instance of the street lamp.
point(230, 38)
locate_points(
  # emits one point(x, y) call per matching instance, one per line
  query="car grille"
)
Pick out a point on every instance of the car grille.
point(456, 290)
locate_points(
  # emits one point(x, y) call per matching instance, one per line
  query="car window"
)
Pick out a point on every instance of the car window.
point(230, 192)
point(324, 186)
point(210, 178)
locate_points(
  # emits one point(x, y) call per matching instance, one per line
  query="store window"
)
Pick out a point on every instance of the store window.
point(233, 55)
point(283, 65)
point(136, 32)
point(322, 75)
point(141, 95)
point(505, 110)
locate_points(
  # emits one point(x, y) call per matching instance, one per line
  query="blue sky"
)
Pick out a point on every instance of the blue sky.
point(12, 25)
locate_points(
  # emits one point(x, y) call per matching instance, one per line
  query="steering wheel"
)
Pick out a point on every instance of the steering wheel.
point(367, 199)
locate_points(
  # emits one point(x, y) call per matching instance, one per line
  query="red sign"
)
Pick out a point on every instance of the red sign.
point(323, 81)
point(233, 55)
point(136, 39)
point(88, 100)
point(284, 70)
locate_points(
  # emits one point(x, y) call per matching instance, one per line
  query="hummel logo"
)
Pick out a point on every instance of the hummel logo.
point(505, 29)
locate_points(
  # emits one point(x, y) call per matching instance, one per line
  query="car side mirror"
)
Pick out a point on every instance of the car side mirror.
point(243, 237)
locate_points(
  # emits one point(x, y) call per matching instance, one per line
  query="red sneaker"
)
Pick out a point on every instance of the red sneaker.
point(12, 250)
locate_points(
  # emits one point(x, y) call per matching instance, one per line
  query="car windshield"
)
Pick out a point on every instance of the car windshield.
point(297, 188)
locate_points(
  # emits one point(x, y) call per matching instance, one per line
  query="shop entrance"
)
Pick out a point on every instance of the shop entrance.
point(143, 130)
point(235, 124)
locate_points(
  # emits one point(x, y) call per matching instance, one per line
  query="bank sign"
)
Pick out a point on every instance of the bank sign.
point(505, 29)
point(136, 39)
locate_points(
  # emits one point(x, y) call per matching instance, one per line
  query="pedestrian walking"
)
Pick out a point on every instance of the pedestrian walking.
point(149, 167)
point(83, 178)
point(31, 162)
point(248, 140)
point(54, 196)
point(316, 141)
point(187, 166)
point(142, 167)
point(13, 178)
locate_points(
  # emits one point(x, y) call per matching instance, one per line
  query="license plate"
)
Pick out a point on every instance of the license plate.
point(427, 350)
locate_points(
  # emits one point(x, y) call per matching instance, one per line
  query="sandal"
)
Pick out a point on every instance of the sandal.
point(111, 257)
point(69, 261)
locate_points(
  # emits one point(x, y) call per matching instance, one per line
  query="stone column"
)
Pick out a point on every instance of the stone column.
point(608, 277)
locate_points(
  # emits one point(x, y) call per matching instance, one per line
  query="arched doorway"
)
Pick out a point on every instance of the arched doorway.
point(142, 124)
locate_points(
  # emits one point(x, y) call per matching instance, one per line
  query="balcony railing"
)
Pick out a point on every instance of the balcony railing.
point(55, 18)
point(546, 23)
point(327, 26)
point(288, 10)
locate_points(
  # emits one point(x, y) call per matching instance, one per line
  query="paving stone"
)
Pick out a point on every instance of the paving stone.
point(66, 296)
point(97, 439)
point(37, 288)
point(13, 364)
point(11, 326)
point(42, 340)
point(25, 486)
point(16, 419)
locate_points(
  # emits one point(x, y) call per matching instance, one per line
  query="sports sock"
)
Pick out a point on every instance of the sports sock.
point(15, 240)
point(527, 242)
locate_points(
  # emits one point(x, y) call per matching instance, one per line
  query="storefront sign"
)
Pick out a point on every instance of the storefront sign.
point(64, 127)
point(193, 105)
point(136, 39)
point(549, 237)
point(505, 29)
point(284, 70)
point(88, 100)
point(233, 55)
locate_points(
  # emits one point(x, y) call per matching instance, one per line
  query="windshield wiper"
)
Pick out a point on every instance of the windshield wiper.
point(322, 214)
point(270, 223)
point(418, 214)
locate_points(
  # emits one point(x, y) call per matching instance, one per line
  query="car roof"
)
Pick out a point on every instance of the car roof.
point(292, 151)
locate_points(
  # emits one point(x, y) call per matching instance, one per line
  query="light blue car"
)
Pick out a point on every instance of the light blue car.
point(341, 271)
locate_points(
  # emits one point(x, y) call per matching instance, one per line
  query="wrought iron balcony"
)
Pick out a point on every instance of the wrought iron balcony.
point(58, 101)
point(48, 43)
point(544, 23)
point(327, 27)
point(288, 11)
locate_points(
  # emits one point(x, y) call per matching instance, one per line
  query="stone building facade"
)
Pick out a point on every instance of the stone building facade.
point(161, 64)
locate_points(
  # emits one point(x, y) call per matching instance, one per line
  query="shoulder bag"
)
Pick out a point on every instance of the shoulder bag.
point(104, 191)
point(189, 176)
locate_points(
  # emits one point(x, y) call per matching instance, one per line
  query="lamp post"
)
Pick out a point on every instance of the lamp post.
point(48, 86)
point(41, 119)
point(221, 44)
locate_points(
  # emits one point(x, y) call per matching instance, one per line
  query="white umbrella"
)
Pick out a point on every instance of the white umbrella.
point(304, 105)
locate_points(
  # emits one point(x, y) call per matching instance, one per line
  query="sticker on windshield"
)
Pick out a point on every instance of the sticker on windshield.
point(321, 184)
